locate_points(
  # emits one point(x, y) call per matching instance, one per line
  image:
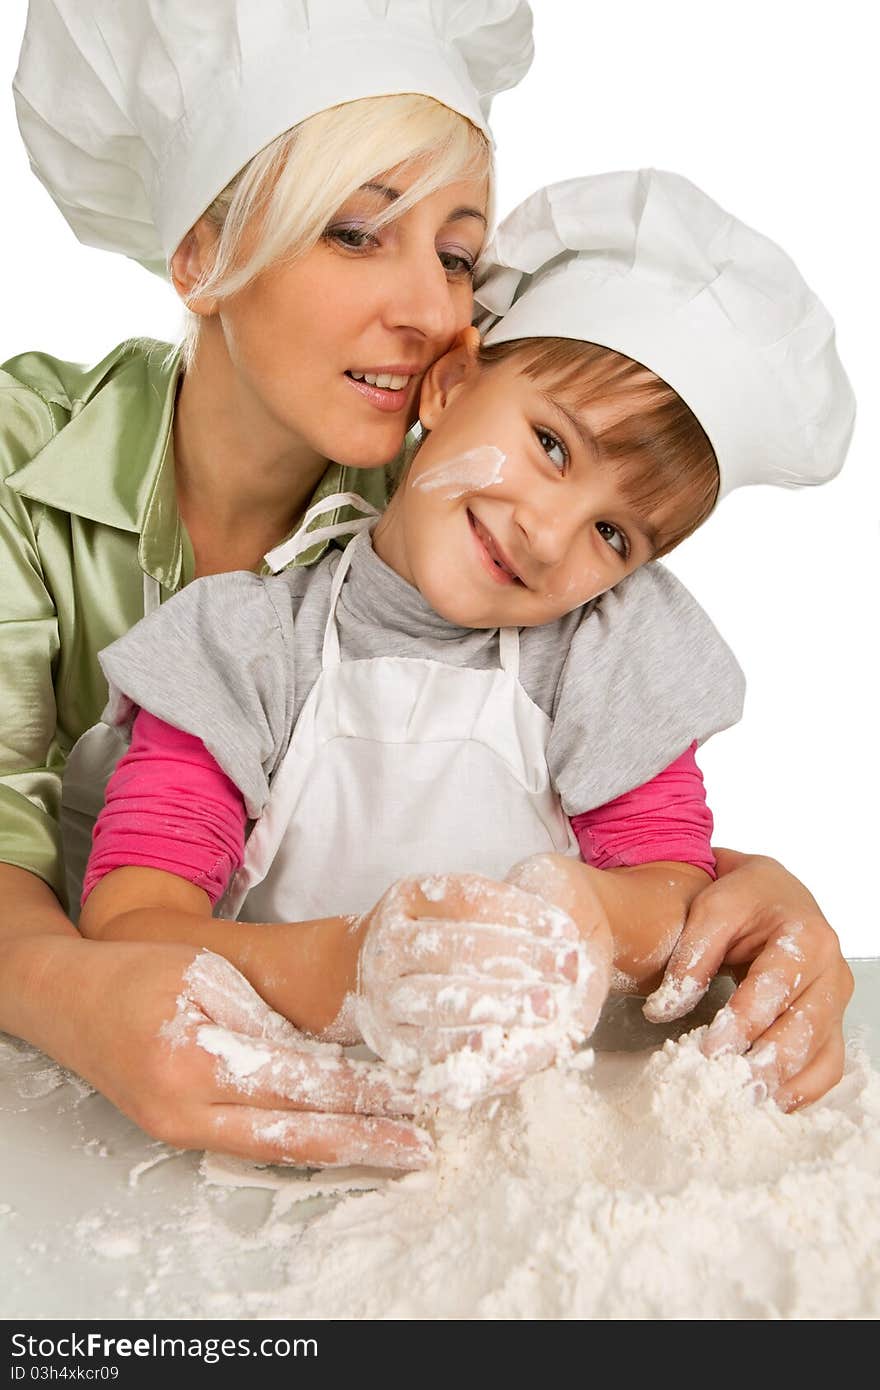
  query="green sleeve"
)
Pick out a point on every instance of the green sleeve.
point(31, 760)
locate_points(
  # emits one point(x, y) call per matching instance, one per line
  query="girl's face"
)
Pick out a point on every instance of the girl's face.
point(332, 348)
point(506, 517)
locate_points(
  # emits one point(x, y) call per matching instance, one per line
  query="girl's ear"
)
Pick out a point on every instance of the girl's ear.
point(444, 378)
point(193, 257)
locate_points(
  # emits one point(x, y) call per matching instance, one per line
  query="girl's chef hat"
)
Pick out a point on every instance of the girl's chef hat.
point(136, 113)
point(645, 263)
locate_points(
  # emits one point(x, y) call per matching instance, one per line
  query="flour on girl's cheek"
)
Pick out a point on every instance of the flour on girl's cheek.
point(471, 471)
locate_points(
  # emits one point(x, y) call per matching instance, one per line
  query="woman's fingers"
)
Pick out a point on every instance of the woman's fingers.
point(823, 1071)
point(310, 1140)
point(261, 1072)
point(214, 986)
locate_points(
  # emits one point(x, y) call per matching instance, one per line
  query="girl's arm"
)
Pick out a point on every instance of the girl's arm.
point(303, 970)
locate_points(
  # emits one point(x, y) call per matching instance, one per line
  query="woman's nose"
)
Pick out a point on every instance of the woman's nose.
point(423, 301)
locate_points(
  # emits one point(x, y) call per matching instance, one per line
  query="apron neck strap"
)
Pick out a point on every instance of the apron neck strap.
point(303, 539)
point(152, 594)
point(330, 653)
point(508, 650)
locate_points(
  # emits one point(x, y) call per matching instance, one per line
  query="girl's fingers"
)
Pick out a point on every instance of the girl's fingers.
point(431, 947)
point(444, 1001)
point(438, 947)
point(260, 1072)
point(316, 1141)
point(472, 898)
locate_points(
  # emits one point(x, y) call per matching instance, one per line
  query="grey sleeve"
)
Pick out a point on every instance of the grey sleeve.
point(647, 673)
point(216, 661)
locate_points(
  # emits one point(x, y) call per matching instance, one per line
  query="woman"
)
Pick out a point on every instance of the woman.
point(189, 476)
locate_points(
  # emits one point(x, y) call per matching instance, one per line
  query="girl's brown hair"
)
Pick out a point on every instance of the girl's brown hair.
point(666, 465)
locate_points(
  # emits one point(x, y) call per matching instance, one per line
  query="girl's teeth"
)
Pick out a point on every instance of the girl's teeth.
point(385, 380)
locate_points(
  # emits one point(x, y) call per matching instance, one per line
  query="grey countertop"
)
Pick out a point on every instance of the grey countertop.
point(90, 1207)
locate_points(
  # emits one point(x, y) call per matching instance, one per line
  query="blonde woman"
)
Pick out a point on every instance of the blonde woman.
point(322, 280)
point(315, 179)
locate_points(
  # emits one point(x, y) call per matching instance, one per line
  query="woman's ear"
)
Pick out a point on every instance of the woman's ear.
point(442, 380)
point(192, 259)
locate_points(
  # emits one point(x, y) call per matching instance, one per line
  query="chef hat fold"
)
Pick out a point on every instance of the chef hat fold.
point(136, 113)
point(647, 264)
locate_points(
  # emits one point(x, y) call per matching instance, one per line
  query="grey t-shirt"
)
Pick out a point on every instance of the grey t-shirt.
point(629, 681)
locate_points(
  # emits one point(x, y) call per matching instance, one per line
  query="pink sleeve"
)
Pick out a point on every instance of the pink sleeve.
point(169, 806)
point(666, 819)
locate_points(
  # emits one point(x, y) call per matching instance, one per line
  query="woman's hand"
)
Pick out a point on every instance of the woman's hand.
point(786, 1016)
point(475, 983)
point(181, 1043)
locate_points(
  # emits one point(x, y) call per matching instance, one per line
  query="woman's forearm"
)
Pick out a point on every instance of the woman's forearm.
point(35, 935)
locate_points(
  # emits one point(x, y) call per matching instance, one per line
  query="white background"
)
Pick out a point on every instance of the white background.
point(770, 108)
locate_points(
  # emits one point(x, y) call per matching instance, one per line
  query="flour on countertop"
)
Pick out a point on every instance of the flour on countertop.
point(650, 1186)
point(637, 1185)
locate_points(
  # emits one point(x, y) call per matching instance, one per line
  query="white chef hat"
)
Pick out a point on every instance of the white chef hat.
point(647, 264)
point(136, 113)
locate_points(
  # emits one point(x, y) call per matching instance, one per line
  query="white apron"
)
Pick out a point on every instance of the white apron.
point(399, 766)
point(94, 756)
point(86, 773)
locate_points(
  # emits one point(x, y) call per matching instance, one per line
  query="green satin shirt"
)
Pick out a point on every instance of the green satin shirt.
point(87, 508)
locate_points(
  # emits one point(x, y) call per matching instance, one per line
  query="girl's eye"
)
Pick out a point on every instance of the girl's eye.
point(455, 263)
point(553, 448)
point(353, 238)
point(613, 537)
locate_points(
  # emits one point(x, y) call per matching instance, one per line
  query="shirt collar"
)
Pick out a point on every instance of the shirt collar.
point(113, 460)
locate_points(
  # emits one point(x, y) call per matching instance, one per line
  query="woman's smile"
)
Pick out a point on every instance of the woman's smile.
point(386, 388)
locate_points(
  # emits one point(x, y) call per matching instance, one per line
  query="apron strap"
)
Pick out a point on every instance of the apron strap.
point(303, 539)
point(508, 650)
point(152, 594)
point(330, 653)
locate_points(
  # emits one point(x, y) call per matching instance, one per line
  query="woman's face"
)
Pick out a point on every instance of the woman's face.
point(331, 349)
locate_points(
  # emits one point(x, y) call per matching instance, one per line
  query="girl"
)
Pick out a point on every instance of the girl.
point(504, 642)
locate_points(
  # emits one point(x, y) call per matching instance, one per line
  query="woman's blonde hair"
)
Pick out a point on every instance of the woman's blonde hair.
point(656, 445)
point(277, 207)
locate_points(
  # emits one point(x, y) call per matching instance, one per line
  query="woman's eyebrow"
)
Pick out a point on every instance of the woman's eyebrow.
point(459, 213)
point(391, 195)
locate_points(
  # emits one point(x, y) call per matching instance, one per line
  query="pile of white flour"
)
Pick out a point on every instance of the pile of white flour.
point(652, 1186)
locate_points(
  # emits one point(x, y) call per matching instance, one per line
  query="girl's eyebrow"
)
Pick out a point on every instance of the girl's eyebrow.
point(648, 530)
point(391, 195)
point(584, 433)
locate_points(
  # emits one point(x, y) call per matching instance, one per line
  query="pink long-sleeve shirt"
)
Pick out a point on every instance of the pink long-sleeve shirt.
point(170, 806)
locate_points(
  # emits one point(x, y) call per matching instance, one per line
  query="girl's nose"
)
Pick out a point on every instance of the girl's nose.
point(546, 527)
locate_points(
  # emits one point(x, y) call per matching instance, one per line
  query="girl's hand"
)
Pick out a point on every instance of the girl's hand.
point(181, 1043)
point(786, 1016)
point(479, 977)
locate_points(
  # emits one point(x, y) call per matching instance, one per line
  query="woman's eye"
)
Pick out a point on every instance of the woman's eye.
point(455, 263)
point(354, 238)
point(553, 448)
point(613, 537)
